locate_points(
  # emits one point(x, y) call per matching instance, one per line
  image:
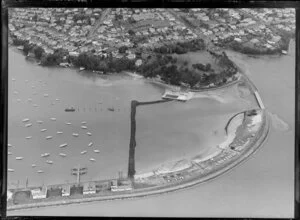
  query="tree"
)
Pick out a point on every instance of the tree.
point(38, 52)
point(123, 49)
point(131, 32)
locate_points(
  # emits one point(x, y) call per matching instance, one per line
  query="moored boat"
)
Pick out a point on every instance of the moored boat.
point(28, 125)
point(71, 109)
point(53, 119)
point(35, 105)
point(84, 122)
point(92, 159)
point(97, 151)
point(111, 109)
point(33, 165)
point(45, 155)
point(46, 95)
point(68, 123)
point(89, 133)
point(63, 145)
point(90, 144)
point(59, 132)
point(10, 170)
point(9, 145)
point(19, 158)
point(28, 137)
point(40, 171)
point(9, 153)
point(39, 121)
point(25, 120)
point(62, 155)
point(83, 152)
point(49, 161)
point(49, 137)
point(75, 134)
point(84, 127)
point(42, 130)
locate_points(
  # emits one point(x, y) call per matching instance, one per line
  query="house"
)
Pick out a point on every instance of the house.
point(39, 193)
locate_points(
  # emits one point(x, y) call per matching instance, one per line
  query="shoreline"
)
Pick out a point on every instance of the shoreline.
point(162, 189)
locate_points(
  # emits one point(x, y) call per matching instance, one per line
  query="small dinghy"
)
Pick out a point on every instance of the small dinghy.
point(90, 144)
point(59, 132)
point(49, 137)
point(49, 161)
point(56, 99)
point(84, 127)
point(92, 159)
point(40, 171)
point(28, 137)
point(83, 152)
point(89, 133)
point(97, 151)
point(42, 130)
point(25, 120)
point(28, 125)
point(63, 145)
point(68, 123)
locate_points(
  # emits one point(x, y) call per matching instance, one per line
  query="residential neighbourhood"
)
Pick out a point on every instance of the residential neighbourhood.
point(71, 29)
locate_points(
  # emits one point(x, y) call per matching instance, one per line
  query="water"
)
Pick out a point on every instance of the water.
point(260, 187)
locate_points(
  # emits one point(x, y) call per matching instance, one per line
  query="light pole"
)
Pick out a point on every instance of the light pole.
point(78, 171)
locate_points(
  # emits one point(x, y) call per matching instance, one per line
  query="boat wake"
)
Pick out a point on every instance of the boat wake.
point(278, 123)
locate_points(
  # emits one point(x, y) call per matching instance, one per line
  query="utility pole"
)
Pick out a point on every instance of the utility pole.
point(78, 171)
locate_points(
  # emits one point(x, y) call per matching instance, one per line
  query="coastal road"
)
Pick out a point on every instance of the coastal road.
point(99, 22)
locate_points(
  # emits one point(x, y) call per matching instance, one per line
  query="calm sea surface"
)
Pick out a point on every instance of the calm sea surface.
point(260, 187)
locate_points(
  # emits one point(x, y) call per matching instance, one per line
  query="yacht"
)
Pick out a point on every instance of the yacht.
point(25, 120)
point(88, 133)
point(83, 152)
point(33, 165)
point(19, 158)
point(97, 151)
point(40, 122)
point(10, 170)
point(28, 125)
point(62, 155)
point(45, 155)
point(75, 134)
point(49, 161)
point(42, 130)
point(40, 171)
point(84, 127)
point(59, 132)
point(63, 145)
point(92, 159)
point(53, 119)
point(48, 137)
point(28, 137)
point(90, 144)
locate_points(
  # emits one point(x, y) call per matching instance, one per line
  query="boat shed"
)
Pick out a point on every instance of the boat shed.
point(39, 193)
point(89, 188)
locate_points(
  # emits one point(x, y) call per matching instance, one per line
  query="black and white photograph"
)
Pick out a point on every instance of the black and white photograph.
point(151, 112)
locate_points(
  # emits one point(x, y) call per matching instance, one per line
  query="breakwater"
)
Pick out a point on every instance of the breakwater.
point(132, 143)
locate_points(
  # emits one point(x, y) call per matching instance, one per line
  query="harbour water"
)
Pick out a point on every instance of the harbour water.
point(256, 188)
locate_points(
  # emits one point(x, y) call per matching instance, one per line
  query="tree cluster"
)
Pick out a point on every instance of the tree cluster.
point(181, 47)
